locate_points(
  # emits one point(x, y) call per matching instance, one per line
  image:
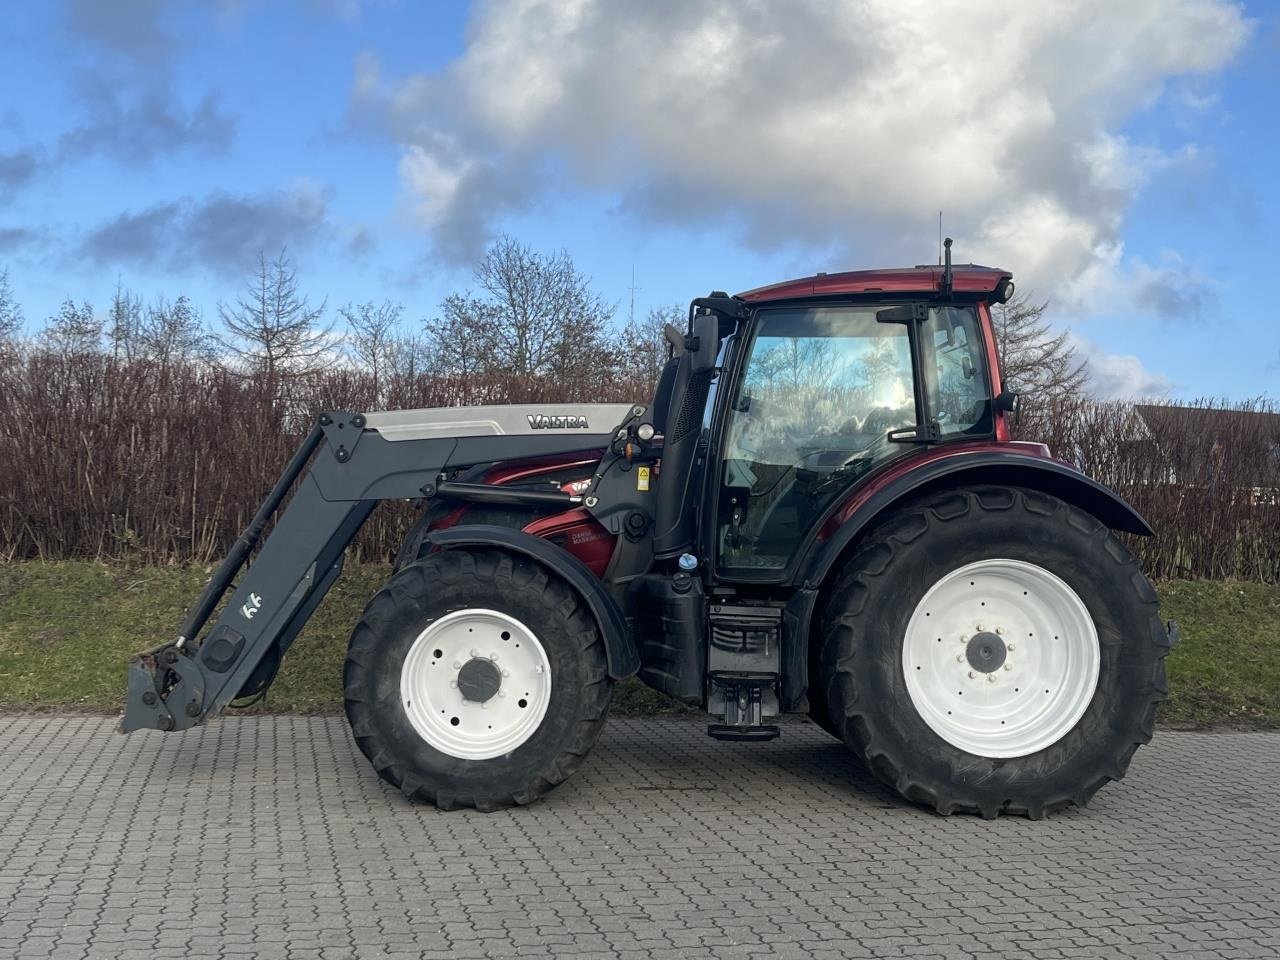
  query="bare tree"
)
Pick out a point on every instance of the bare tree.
point(459, 343)
point(373, 338)
point(272, 328)
point(641, 347)
point(73, 330)
point(408, 362)
point(124, 324)
point(540, 317)
point(1033, 360)
point(174, 332)
point(11, 318)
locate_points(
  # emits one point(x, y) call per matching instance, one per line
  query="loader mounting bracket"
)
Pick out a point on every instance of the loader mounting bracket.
point(342, 433)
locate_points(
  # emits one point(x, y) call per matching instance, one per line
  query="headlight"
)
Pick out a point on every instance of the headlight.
point(645, 431)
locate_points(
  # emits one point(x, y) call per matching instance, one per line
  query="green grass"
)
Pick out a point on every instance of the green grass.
point(67, 629)
point(1226, 670)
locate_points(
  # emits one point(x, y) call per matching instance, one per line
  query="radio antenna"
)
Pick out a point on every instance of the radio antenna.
point(633, 289)
point(939, 238)
point(945, 287)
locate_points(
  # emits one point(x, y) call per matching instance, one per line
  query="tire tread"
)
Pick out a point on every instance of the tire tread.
point(874, 559)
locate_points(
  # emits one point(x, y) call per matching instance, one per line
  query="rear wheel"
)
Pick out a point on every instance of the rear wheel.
point(476, 679)
point(993, 650)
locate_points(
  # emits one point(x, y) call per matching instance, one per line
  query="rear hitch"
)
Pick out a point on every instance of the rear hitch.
point(743, 702)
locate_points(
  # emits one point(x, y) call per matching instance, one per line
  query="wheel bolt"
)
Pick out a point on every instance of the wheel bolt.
point(457, 665)
point(474, 654)
point(493, 657)
point(999, 631)
point(979, 628)
point(991, 678)
point(1010, 647)
point(502, 693)
point(1008, 666)
point(972, 675)
point(453, 684)
point(506, 673)
point(959, 658)
point(538, 668)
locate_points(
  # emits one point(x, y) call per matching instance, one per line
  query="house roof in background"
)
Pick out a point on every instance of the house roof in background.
point(1164, 418)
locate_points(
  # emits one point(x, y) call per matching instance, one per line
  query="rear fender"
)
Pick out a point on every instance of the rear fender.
point(1006, 469)
point(963, 469)
point(620, 648)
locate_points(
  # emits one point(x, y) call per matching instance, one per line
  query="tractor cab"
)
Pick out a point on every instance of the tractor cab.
point(777, 403)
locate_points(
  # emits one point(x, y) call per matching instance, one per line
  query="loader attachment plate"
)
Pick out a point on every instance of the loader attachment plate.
point(165, 691)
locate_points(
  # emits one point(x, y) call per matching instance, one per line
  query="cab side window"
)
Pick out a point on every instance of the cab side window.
point(954, 372)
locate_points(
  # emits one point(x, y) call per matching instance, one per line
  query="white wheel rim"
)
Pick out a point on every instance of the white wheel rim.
point(962, 687)
point(475, 729)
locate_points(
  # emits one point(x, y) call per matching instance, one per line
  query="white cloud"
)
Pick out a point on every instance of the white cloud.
point(431, 182)
point(843, 125)
point(1120, 376)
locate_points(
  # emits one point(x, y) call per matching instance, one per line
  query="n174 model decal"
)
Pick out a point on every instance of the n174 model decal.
point(541, 421)
point(249, 609)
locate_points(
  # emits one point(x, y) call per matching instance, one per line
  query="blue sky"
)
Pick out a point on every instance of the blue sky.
point(1118, 158)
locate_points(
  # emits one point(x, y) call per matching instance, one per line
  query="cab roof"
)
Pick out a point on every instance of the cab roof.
point(967, 278)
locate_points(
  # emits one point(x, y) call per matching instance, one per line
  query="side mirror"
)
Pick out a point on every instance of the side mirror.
point(1010, 403)
point(704, 344)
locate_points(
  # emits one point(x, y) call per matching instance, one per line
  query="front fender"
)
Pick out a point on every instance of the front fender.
point(620, 648)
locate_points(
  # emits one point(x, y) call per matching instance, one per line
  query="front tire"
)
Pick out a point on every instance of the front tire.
point(993, 650)
point(476, 679)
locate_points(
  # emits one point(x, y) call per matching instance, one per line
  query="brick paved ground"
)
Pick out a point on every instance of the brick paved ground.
point(272, 838)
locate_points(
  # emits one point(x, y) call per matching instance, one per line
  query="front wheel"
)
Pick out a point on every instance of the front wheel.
point(993, 650)
point(476, 679)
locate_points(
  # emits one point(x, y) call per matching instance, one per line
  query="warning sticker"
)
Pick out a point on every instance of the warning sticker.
point(642, 478)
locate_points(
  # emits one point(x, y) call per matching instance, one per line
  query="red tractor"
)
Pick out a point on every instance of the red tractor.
point(820, 512)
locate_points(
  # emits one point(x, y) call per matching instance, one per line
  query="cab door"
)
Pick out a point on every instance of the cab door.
point(824, 395)
point(818, 392)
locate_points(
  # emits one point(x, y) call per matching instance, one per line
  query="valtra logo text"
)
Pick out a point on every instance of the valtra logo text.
point(541, 421)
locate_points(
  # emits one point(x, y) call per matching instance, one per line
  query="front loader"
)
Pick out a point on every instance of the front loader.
point(820, 511)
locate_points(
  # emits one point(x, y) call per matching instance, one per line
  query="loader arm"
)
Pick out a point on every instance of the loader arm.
point(356, 460)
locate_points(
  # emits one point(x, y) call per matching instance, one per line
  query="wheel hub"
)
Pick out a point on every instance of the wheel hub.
point(476, 684)
point(1001, 658)
point(479, 680)
point(986, 652)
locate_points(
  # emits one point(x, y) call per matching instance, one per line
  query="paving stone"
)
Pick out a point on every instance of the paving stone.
point(272, 838)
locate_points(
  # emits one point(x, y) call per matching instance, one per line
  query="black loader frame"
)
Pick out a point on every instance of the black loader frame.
point(353, 467)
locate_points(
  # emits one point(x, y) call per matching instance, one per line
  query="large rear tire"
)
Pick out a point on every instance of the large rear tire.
point(993, 650)
point(476, 679)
